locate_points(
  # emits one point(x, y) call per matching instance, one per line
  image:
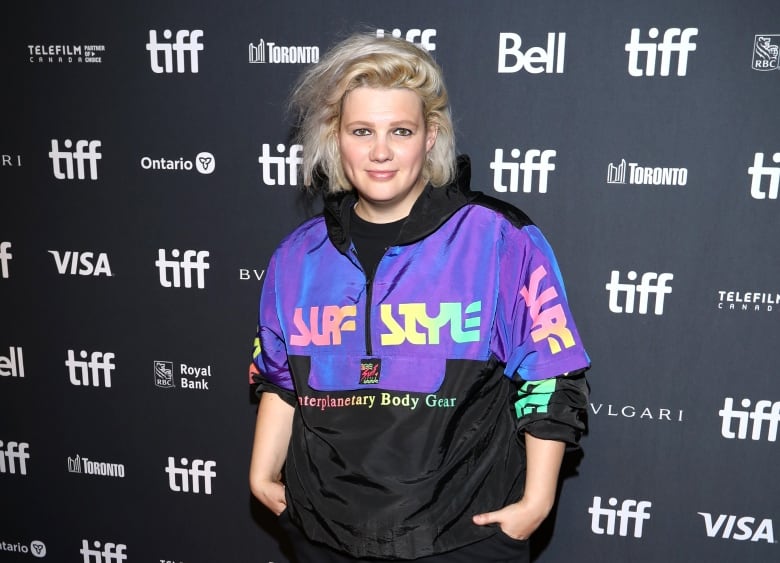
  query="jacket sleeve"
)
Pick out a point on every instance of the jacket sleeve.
point(269, 369)
point(544, 353)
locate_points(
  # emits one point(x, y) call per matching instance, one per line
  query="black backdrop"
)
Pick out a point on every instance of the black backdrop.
point(652, 164)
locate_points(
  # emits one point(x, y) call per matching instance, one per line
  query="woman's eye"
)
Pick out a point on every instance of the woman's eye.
point(362, 132)
point(403, 132)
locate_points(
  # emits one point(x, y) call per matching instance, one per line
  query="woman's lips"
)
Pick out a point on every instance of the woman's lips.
point(381, 174)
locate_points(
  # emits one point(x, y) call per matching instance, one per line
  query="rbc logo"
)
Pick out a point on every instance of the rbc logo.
point(666, 47)
point(529, 165)
point(193, 260)
point(758, 171)
point(15, 455)
point(651, 283)
point(629, 511)
point(536, 59)
point(87, 372)
point(424, 35)
point(179, 477)
point(185, 41)
point(766, 54)
point(274, 166)
point(85, 151)
point(111, 552)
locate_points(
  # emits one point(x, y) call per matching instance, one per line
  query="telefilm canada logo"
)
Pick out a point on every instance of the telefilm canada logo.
point(204, 162)
point(633, 173)
point(747, 300)
point(74, 53)
point(269, 52)
point(766, 53)
point(195, 378)
point(36, 548)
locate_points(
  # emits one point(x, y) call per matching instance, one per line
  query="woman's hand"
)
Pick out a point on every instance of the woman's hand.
point(271, 494)
point(518, 520)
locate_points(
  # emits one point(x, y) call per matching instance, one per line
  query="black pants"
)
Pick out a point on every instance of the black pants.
point(498, 548)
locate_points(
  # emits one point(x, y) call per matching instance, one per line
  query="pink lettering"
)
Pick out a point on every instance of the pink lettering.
point(550, 323)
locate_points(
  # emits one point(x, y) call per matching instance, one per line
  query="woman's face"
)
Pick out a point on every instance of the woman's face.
point(383, 142)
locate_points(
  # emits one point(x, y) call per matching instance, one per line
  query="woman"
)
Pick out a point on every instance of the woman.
point(419, 369)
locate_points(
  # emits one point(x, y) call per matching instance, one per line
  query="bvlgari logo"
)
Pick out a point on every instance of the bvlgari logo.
point(637, 411)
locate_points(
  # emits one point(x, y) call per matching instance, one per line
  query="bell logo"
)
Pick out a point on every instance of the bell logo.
point(534, 161)
point(536, 59)
point(85, 151)
point(747, 527)
point(88, 372)
point(651, 283)
point(186, 480)
point(186, 41)
point(629, 511)
point(14, 457)
point(5, 257)
point(110, 552)
point(13, 364)
point(81, 263)
point(192, 260)
point(670, 44)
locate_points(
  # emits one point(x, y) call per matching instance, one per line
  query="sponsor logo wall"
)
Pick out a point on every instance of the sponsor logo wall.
point(644, 145)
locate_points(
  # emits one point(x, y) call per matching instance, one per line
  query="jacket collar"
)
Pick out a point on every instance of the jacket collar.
point(431, 210)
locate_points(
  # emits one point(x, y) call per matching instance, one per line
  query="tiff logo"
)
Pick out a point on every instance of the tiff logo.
point(424, 35)
point(651, 283)
point(535, 59)
point(758, 171)
point(764, 411)
point(534, 161)
point(88, 372)
point(675, 40)
point(5, 257)
point(15, 455)
point(766, 55)
point(629, 511)
point(186, 41)
point(274, 166)
point(192, 260)
point(111, 552)
point(179, 477)
point(85, 151)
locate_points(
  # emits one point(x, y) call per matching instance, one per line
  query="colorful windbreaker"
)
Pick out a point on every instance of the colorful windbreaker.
point(413, 384)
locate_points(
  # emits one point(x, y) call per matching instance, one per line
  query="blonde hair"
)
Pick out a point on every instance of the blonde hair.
point(367, 60)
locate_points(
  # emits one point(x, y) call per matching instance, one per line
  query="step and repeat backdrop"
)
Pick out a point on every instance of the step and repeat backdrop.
point(147, 175)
